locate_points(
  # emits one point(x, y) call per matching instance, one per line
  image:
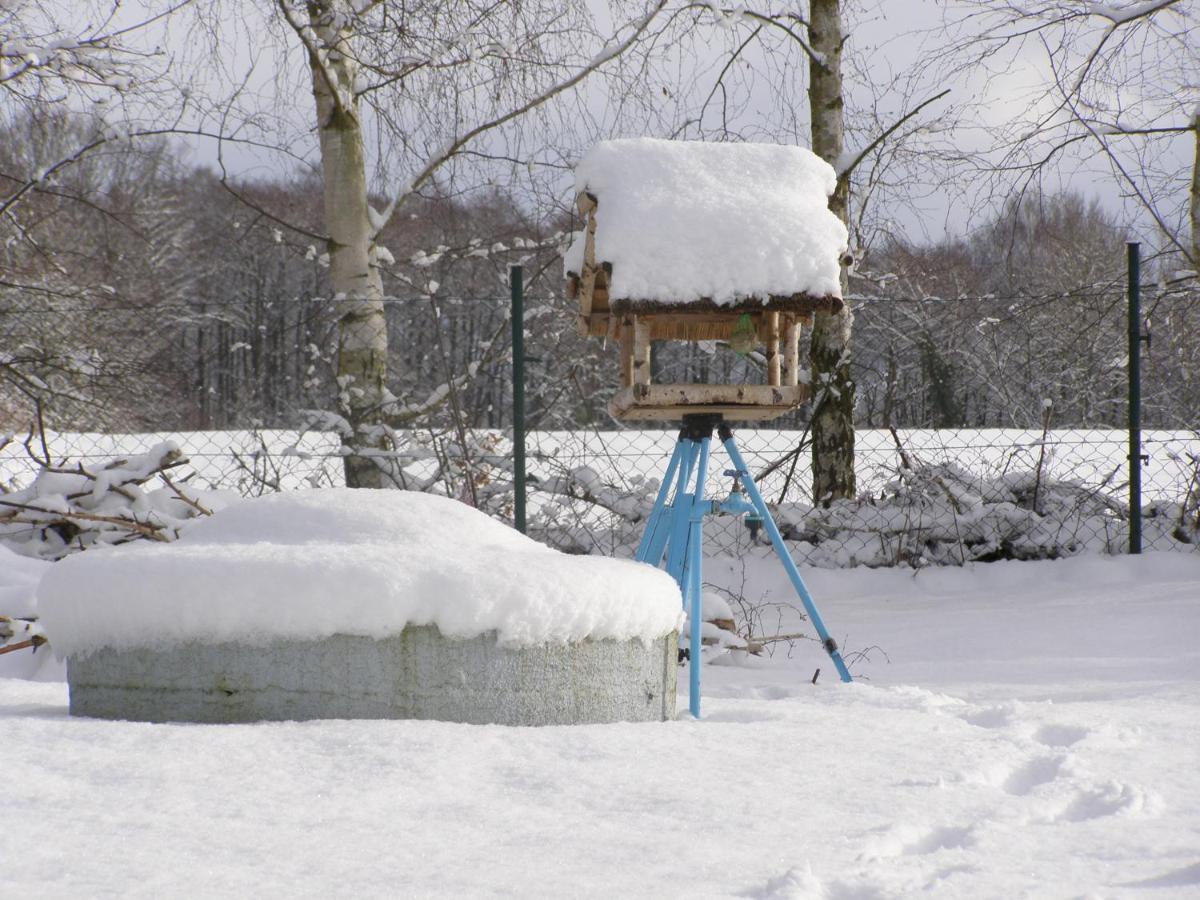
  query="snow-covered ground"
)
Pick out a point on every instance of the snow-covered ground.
point(1036, 733)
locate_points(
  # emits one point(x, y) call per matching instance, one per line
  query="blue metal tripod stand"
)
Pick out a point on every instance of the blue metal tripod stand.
point(675, 532)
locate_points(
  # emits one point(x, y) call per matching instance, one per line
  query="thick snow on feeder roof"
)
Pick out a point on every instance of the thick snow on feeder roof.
point(310, 564)
point(685, 220)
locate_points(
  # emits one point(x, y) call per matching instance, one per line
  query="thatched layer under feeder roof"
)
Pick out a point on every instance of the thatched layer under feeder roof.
point(697, 241)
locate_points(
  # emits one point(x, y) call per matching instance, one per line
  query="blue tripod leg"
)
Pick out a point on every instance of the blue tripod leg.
point(695, 580)
point(782, 552)
point(658, 526)
point(676, 529)
point(681, 509)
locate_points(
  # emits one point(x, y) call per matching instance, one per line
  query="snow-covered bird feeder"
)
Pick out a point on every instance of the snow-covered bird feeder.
point(343, 603)
point(694, 241)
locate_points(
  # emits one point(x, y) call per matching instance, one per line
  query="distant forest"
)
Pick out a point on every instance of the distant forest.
point(173, 301)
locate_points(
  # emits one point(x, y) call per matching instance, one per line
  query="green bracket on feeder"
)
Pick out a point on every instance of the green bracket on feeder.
point(744, 337)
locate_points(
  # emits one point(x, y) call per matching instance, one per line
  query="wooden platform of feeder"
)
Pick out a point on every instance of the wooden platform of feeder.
point(700, 320)
point(640, 400)
point(737, 402)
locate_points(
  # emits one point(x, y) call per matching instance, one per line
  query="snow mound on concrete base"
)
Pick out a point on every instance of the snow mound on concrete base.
point(310, 564)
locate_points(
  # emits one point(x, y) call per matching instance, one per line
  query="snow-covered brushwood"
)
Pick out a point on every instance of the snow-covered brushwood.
point(1186, 514)
point(71, 508)
point(310, 564)
point(748, 629)
point(22, 633)
point(718, 630)
point(943, 515)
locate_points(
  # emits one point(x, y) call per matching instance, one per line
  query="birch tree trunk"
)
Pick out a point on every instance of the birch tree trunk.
point(354, 274)
point(833, 387)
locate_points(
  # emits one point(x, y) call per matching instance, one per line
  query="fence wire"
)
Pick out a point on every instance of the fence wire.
point(990, 427)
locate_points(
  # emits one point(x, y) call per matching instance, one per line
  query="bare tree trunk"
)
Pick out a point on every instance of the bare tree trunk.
point(833, 388)
point(357, 284)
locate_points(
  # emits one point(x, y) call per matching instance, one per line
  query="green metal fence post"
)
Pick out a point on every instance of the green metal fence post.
point(516, 280)
point(1135, 400)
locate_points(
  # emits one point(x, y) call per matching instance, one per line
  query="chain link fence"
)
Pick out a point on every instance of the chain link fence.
point(991, 427)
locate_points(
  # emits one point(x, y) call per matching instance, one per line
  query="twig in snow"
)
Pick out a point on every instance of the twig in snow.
point(153, 532)
point(190, 501)
point(34, 642)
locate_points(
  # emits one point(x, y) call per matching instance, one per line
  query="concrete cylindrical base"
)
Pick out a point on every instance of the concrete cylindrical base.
point(418, 674)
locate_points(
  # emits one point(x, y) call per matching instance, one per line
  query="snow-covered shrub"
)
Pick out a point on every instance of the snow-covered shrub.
point(1186, 514)
point(576, 511)
point(943, 515)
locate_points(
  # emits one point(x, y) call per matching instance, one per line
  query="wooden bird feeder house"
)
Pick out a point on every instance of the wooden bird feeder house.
point(693, 241)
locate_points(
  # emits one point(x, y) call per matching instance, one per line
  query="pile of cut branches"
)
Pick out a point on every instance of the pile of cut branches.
point(71, 507)
point(941, 514)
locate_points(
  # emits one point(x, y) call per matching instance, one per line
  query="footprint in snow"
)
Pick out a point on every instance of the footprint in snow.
point(907, 840)
point(946, 838)
point(1060, 735)
point(937, 882)
point(991, 717)
point(801, 884)
point(1113, 798)
point(1188, 876)
point(1025, 778)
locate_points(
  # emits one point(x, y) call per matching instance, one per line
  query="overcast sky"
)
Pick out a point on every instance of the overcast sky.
point(895, 59)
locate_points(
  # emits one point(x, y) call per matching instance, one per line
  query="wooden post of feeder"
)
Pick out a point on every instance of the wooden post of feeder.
point(626, 340)
point(586, 204)
point(773, 349)
point(641, 350)
point(791, 344)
